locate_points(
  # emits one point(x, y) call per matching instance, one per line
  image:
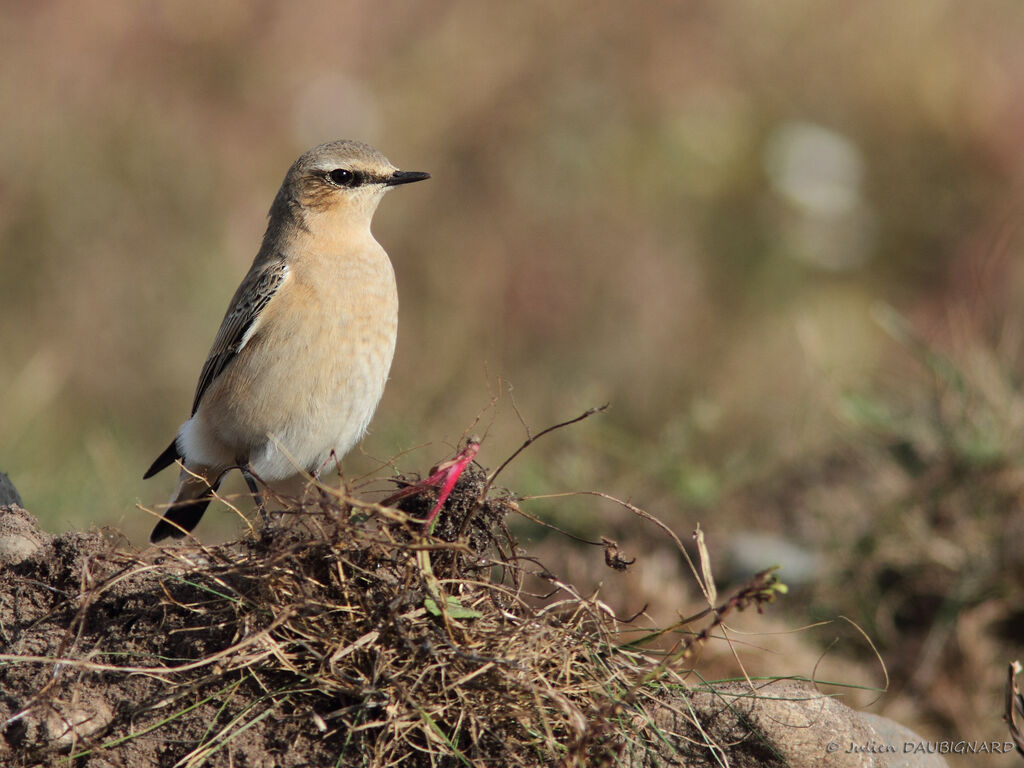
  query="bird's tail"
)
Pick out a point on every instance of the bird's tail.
point(190, 500)
point(170, 455)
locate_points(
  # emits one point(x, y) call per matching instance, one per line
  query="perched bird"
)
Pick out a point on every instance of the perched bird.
point(299, 363)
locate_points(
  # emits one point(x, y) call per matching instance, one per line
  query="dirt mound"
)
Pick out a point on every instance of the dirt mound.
point(346, 635)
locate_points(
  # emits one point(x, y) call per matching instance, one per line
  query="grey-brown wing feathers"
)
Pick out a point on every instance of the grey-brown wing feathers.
point(240, 321)
point(237, 328)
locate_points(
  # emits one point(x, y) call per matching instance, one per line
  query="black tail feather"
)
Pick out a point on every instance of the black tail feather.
point(164, 460)
point(182, 517)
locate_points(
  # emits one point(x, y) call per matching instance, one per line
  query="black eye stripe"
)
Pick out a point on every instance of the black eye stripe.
point(345, 177)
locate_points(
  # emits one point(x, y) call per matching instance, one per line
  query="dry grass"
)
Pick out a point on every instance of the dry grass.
point(390, 646)
point(340, 624)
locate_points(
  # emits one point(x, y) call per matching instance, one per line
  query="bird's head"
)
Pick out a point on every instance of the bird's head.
point(343, 179)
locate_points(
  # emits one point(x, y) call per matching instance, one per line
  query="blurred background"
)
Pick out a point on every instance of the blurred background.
point(782, 240)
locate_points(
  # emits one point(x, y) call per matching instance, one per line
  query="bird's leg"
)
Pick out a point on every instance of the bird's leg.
point(331, 459)
point(257, 497)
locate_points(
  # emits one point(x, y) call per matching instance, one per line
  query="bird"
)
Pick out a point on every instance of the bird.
point(302, 355)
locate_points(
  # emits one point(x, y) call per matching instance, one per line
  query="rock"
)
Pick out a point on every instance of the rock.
point(782, 723)
point(20, 537)
point(749, 552)
point(8, 493)
point(14, 549)
point(891, 732)
point(67, 723)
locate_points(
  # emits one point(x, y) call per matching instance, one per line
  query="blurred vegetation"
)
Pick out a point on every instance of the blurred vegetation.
point(692, 211)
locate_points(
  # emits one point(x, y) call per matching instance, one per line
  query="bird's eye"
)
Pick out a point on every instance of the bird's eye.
point(342, 177)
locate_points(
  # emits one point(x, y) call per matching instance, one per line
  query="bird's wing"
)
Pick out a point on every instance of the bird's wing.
point(241, 320)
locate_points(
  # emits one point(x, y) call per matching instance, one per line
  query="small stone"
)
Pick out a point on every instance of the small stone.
point(20, 537)
point(67, 723)
point(15, 548)
point(8, 493)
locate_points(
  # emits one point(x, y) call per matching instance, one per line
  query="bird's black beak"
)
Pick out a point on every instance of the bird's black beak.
point(405, 177)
